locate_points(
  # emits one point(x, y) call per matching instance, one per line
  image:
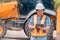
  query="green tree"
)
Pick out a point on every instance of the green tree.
point(4, 1)
point(56, 4)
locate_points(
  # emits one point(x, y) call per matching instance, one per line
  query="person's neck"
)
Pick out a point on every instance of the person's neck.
point(39, 15)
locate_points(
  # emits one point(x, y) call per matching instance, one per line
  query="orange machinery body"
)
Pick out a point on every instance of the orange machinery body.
point(9, 9)
point(58, 21)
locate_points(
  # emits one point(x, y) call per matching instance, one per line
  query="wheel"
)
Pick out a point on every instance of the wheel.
point(50, 33)
point(3, 30)
point(27, 30)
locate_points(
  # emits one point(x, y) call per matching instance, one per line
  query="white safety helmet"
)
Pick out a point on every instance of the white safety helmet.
point(39, 6)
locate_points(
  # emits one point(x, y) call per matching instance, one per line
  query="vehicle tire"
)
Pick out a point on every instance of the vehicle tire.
point(3, 30)
point(50, 33)
point(27, 30)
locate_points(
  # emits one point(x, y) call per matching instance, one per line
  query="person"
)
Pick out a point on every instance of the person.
point(40, 12)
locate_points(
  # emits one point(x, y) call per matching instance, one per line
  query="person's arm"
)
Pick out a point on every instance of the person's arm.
point(47, 27)
point(48, 23)
point(30, 23)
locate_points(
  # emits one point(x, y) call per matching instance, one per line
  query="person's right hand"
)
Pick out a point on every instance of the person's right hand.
point(31, 26)
point(39, 27)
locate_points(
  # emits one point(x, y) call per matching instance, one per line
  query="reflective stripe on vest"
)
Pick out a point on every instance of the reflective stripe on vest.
point(34, 32)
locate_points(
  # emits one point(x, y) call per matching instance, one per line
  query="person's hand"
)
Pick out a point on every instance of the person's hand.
point(31, 27)
point(42, 28)
point(39, 27)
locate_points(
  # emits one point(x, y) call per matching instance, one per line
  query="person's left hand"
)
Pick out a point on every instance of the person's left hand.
point(42, 28)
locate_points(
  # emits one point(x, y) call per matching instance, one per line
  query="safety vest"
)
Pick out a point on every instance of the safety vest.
point(34, 31)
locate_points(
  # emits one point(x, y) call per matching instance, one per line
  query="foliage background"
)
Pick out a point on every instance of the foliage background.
point(4, 1)
point(56, 4)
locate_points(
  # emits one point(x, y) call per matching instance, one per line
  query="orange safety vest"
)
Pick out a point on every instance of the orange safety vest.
point(34, 31)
